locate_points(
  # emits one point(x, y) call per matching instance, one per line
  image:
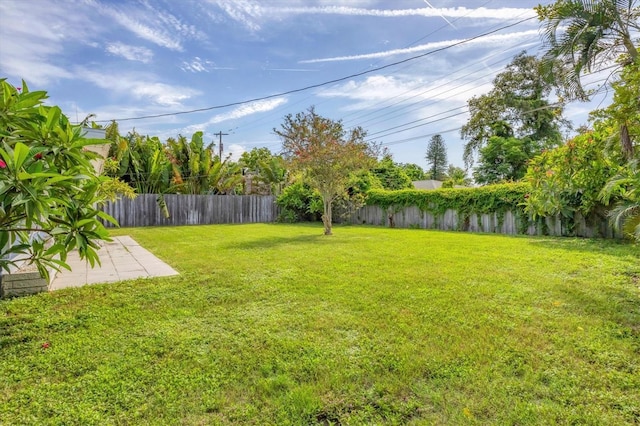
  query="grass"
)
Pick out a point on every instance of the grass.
point(277, 324)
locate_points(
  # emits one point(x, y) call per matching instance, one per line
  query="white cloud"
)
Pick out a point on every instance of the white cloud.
point(253, 14)
point(371, 90)
point(290, 69)
point(239, 112)
point(32, 42)
point(163, 94)
point(201, 65)
point(249, 109)
point(140, 86)
point(246, 12)
point(234, 150)
point(187, 31)
point(490, 40)
point(457, 12)
point(132, 53)
point(32, 70)
point(139, 23)
point(418, 101)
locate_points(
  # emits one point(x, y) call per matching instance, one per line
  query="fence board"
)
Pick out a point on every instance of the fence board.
point(193, 210)
point(509, 223)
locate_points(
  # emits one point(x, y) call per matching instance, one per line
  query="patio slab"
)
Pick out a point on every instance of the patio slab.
point(122, 259)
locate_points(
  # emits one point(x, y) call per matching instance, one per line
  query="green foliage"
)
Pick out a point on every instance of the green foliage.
point(197, 170)
point(487, 199)
point(456, 176)
point(518, 98)
point(390, 174)
point(569, 178)
point(624, 111)
point(504, 158)
point(436, 157)
point(581, 35)
point(414, 171)
point(192, 163)
point(624, 188)
point(299, 203)
point(265, 168)
point(325, 153)
point(271, 324)
point(49, 190)
point(250, 160)
point(140, 161)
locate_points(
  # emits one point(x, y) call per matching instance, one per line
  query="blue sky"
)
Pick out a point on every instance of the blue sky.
point(134, 58)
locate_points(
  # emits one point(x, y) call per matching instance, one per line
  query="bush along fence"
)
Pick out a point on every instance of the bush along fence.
point(192, 210)
point(492, 209)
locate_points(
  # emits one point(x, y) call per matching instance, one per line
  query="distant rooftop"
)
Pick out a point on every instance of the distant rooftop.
point(427, 184)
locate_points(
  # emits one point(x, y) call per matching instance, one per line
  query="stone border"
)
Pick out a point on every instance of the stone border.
point(22, 284)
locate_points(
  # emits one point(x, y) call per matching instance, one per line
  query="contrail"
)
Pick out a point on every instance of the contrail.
point(441, 15)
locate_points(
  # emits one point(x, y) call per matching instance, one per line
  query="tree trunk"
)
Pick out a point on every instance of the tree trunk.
point(326, 216)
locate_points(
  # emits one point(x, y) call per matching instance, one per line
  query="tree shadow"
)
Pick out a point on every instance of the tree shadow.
point(610, 247)
point(274, 241)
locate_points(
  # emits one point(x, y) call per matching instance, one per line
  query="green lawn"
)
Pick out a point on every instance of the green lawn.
point(277, 324)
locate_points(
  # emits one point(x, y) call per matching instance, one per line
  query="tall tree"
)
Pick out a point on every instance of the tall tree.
point(325, 153)
point(584, 35)
point(504, 157)
point(436, 157)
point(518, 98)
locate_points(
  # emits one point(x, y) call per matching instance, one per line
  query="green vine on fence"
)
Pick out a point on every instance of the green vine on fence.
point(498, 199)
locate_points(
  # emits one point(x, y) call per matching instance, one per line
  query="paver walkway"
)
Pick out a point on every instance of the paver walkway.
point(122, 259)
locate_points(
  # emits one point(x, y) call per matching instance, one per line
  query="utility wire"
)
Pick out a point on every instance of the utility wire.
point(289, 105)
point(598, 91)
point(337, 80)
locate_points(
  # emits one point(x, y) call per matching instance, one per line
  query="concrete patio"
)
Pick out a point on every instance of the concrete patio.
point(122, 259)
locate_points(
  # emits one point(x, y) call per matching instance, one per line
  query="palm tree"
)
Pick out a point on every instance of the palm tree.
point(585, 34)
point(197, 170)
point(192, 162)
point(626, 188)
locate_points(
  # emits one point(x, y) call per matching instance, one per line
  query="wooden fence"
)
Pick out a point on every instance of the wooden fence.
point(193, 210)
point(210, 209)
point(507, 223)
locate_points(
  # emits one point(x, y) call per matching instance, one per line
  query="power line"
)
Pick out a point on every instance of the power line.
point(337, 80)
point(598, 91)
point(262, 119)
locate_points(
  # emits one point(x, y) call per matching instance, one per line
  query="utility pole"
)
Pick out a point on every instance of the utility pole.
point(220, 134)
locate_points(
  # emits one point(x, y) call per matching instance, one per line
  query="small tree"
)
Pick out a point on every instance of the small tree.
point(266, 169)
point(436, 158)
point(390, 174)
point(49, 190)
point(456, 176)
point(414, 171)
point(325, 153)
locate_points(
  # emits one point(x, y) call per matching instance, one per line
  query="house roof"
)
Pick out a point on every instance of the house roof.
point(427, 184)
